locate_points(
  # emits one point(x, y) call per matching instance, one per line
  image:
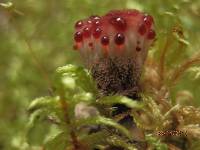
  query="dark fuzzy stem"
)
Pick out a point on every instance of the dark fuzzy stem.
point(118, 76)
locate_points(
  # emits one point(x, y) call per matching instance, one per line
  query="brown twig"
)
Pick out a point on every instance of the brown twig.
point(162, 59)
point(176, 74)
point(37, 63)
point(64, 107)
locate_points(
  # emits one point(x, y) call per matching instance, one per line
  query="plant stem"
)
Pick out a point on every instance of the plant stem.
point(64, 107)
point(162, 59)
point(184, 67)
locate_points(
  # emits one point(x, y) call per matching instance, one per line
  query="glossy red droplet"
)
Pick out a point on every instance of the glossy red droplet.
point(105, 40)
point(90, 44)
point(79, 24)
point(119, 23)
point(142, 29)
point(119, 38)
point(78, 37)
point(138, 48)
point(151, 34)
point(97, 23)
point(97, 33)
point(148, 20)
point(89, 22)
point(95, 17)
point(86, 32)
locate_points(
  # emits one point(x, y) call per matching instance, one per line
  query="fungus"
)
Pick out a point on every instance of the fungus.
point(114, 46)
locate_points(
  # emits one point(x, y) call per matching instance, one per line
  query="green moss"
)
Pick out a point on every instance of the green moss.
point(44, 29)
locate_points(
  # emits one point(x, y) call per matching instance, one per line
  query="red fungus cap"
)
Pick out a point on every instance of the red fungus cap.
point(118, 33)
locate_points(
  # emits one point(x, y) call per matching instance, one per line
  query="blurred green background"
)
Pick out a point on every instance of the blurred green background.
point(36, 37)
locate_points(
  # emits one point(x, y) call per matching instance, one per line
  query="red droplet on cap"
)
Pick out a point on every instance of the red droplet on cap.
point(148, 20)
point(142, 29)
point(138, 48)
point(95, 17)
point(97, 23)
point(105, 40)
point(119, 38)
point(79, 24)
point(89, 21)
point(151, 34)
point(91, 45)
point(97, 33)
point(119, 23)
point(78, 37)
point(86, 32)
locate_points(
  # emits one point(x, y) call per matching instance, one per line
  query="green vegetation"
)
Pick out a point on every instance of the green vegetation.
point(37, 38)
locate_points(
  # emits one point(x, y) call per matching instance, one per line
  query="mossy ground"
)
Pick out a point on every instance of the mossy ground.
point(36, 38)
